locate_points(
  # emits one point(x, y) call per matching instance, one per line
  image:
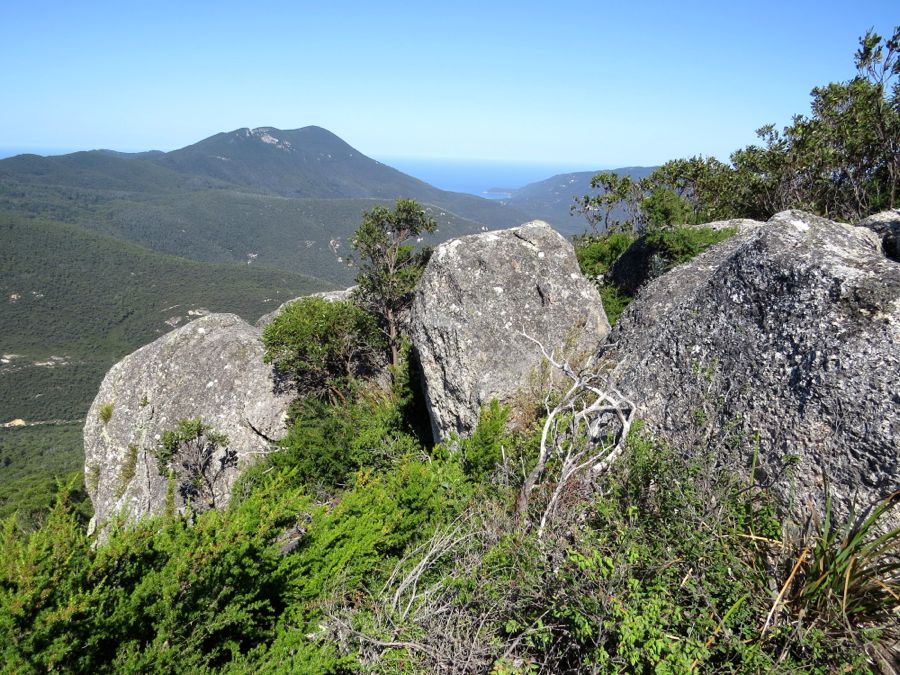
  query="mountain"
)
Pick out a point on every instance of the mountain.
point(552, 199)
point(283, 199)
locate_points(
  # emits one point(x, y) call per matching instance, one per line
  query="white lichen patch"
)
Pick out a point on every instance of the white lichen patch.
point(800, 225)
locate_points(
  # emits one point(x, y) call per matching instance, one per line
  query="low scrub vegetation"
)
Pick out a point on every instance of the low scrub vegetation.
point(358, 548)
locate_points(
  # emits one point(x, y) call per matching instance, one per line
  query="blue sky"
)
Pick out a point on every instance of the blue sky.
point(586, 84)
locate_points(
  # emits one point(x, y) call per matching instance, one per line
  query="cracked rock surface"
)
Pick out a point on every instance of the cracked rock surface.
point(477, 297)
point(211, 368)
point(784, 338)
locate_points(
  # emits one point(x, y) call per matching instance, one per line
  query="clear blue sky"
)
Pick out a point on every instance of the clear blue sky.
point(584, 83)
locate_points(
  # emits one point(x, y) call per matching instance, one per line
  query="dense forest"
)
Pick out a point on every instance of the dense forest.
point(360, 545)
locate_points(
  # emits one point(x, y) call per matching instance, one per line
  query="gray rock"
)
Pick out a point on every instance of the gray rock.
point(886, 225)
point(641, 262)
point(784, 338)
point(211, 369)
point(330, 296)
point(476, 298)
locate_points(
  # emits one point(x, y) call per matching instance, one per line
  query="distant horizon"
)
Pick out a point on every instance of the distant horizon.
point(7, 151)
point(508, 82)
point(476, 176)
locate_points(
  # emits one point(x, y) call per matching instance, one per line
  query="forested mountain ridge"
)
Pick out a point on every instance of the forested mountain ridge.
point(283, 199)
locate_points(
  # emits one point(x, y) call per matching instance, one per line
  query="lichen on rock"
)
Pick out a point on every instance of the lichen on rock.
point(481, 301)
point(784, 342)
point(209, 369)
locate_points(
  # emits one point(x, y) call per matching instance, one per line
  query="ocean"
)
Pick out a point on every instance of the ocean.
point(489, 179)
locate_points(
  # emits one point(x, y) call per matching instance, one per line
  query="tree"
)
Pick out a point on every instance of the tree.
point(616, 192)
point(322, 346)
point(390, 267)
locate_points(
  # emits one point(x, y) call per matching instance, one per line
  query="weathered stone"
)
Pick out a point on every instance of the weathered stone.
point(478, 298)
point(211, 368)
point(887, 226)
point(330, 296)
point(641, 262)
point(782, 340)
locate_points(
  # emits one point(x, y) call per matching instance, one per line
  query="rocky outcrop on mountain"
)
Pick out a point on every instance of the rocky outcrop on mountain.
point(783, 341)
point(330, 296)
point(641, 261)
point(210, 369)
point(887, 226)
point(480, 303)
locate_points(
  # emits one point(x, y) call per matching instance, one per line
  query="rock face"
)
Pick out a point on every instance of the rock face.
point(330, 296)
point(640, 262)
point(785, 337)
point(887, 226)
point(477, 297)
point(211, 369)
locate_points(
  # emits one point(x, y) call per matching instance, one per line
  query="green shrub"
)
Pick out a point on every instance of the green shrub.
point(129, 466)
point(483, 450)
point(105, 412)
point(194, 455)
point(596, 253)
point(161, 596)
point(322, 346)
point(677, 245)
point(615, 301)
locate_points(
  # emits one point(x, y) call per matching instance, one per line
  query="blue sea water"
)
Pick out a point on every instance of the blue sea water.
point(493, 180)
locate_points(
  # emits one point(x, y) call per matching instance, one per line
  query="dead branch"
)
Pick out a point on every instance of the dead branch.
point(586, 430)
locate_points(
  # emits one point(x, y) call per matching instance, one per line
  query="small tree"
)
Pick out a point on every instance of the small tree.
point(390, 267)
point(321, 346)
point(617, 192)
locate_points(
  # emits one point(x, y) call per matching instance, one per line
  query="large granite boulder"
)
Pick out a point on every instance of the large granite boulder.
point(211, 369)
point(887, 226)
point(783, 341)
point(479, 297)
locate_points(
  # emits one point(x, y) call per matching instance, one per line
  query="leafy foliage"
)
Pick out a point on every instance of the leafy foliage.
point(677, 245)
point(390, 266)
point(322, 346)
point(596, 253)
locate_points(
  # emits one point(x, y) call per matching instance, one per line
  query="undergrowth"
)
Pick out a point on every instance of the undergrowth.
point(356, 548)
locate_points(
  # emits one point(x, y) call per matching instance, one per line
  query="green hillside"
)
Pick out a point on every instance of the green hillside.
point(285, 196)
point(76, 301)
point(552, 199)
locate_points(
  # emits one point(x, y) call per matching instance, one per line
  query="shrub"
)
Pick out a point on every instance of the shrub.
point(195, 456)
point(677, 245)
point(321, 346)
point(596, 253)
point(483, 450)
point(105, 412)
